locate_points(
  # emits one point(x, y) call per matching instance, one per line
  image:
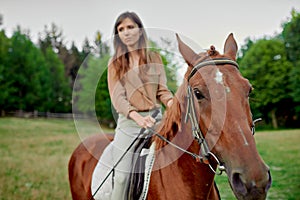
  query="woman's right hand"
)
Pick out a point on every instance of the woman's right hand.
point(142, 121)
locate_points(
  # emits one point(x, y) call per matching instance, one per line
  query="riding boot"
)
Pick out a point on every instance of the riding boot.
point(119, 189)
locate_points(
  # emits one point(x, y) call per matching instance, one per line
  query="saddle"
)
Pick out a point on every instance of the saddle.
point(137, 175)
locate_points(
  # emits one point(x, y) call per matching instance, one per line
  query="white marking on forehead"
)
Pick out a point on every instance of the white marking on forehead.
point(219, 77)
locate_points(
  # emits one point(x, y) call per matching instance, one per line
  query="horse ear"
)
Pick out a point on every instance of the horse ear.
point(188, 54)
point(230, 47)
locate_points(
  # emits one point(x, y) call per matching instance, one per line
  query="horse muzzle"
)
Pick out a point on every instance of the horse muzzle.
point(250, 189)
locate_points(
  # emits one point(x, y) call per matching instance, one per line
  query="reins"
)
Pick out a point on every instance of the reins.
point(191, 115)
point(205, 153)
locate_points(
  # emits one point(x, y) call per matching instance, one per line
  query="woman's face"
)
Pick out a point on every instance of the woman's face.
point(129, 33)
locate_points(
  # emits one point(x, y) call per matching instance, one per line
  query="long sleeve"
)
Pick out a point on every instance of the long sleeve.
point(118, 94)
point(163, 93)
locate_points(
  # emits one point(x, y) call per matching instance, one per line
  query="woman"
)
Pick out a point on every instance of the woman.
point(137, 86)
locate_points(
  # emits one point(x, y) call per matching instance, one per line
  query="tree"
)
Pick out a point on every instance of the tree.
point(55, 39)
point(77, 59)
point(59, 99)
point(27, 71)
point(91, 92)
point(265, 64)
point(5, 81)
point(291, 38)
point(244, 48)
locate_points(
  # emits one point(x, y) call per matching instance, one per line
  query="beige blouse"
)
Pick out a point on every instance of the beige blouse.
point(139, 93)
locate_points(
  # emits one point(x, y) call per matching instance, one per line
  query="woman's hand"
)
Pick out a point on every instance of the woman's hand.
point(170, 103)
point(144, 122)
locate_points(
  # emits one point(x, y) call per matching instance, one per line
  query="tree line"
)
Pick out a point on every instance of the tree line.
point(41, 76)
point(272, 65)
point(37, 76)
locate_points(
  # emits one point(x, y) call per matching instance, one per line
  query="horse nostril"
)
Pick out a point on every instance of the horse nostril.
point(269, 181)
point(238, 184)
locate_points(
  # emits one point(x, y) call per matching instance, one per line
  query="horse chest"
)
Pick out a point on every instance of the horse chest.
point(176, 183)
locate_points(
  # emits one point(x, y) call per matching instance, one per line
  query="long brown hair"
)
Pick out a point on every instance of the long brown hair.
point(121, 57)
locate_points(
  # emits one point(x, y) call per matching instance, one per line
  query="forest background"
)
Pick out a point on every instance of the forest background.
point(39, 77)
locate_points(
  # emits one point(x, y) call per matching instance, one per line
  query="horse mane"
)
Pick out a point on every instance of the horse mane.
point(171, 122)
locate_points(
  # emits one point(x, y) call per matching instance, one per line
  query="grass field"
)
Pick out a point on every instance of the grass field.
point(35, 153)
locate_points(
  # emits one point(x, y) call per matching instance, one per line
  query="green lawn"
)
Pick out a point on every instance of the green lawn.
point(35, 153)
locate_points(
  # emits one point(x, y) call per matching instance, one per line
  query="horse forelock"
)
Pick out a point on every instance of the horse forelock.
point(212, 51)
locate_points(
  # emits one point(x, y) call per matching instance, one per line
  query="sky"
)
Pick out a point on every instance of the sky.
point(204, 22)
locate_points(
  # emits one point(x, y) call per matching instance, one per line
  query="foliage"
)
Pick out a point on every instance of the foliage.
point(266, 65)
point(27, 73)
point(42, 77)
point(60, 98)
point(291, 37)
point(31, 78)
point(71, 58)
point(273, 67)
point(91, 92)
point(4, 81)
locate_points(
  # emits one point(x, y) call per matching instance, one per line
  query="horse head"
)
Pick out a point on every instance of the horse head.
point(220, 95)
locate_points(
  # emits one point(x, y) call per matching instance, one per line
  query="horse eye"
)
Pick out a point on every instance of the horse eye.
point(250, 90)
point(198, 94)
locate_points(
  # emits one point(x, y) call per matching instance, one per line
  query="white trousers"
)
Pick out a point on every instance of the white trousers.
point(125, 133)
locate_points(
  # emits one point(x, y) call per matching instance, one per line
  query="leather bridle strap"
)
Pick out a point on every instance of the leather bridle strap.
point(215, 61)
point(191, 112)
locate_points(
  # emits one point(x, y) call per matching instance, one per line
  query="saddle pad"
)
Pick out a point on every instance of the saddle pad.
point(148, 169)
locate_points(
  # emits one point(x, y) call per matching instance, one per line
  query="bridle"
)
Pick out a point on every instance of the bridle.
point(205, 154)
point(191, 113)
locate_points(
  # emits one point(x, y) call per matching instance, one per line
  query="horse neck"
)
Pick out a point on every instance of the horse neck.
point(194, 179)
point(169, 160)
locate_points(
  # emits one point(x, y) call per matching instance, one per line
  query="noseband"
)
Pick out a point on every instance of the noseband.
point(191, 113)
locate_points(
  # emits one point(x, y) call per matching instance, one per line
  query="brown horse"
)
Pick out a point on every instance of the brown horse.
point(210, 115)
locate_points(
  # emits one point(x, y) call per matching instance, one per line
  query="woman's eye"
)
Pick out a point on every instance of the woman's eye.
point(120, 29)
point(198, 94)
